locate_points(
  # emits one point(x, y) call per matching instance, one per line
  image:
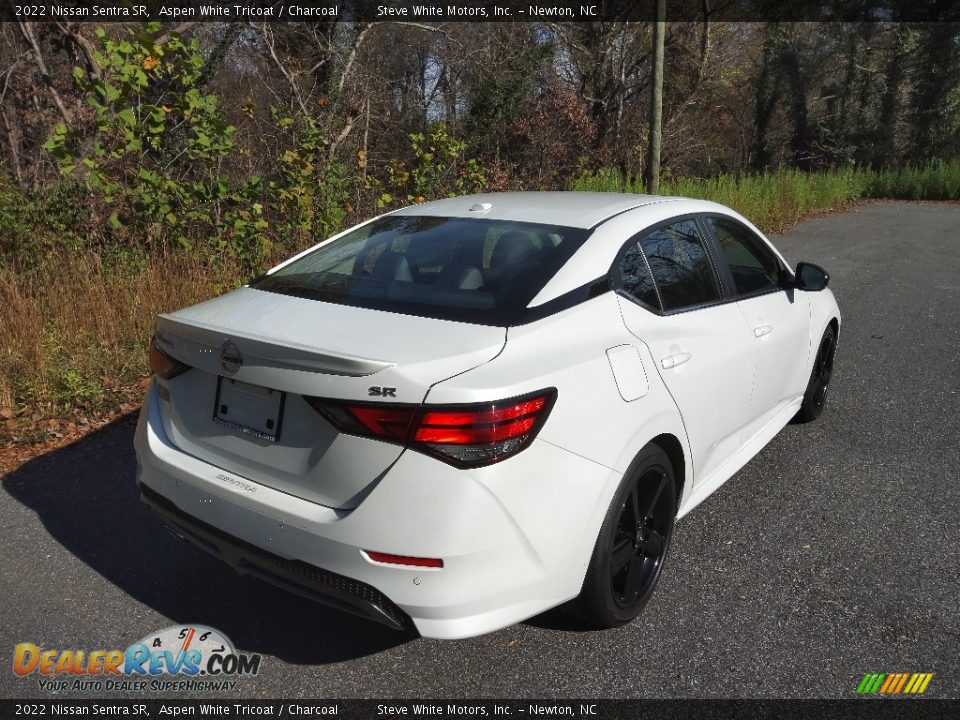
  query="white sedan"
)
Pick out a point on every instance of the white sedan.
point(460, 414)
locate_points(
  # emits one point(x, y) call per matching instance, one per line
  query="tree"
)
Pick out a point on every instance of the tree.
point(936, 93)
point(656, 102)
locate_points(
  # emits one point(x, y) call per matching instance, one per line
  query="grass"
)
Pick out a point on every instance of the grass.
point(936, 181)
point(773, 201)
point(79, 329)
point(75, 326)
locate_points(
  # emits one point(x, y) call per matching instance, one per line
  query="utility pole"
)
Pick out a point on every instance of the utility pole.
point(656, 100)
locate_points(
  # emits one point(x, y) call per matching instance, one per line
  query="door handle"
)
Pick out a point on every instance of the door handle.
point(672, 361)
point(762, 330)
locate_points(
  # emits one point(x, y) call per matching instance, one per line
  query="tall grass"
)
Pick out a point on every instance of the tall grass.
point(774, 201)
point(934, 181)
point(82, 325)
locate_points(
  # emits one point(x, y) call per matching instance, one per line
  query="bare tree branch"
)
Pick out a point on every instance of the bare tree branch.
point(12, 140)
point(27, 31)
point(350, 59)
point(72, 32)
point(175, 30)
point(268, 39)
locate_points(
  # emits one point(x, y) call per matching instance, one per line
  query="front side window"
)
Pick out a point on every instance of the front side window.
point(471, 270)
point(754, 266)
point(680, 266)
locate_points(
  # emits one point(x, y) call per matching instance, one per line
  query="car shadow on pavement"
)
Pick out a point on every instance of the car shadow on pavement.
point(86, 497)
point(560, 619)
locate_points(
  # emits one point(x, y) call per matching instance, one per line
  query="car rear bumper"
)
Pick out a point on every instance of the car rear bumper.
point(513, 543)
point(336, 591)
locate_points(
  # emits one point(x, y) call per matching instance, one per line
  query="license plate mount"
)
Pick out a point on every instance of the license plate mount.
point(249, 409)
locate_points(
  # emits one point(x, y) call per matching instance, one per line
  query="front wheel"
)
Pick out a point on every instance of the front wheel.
point(815, 396)
point(633, 543)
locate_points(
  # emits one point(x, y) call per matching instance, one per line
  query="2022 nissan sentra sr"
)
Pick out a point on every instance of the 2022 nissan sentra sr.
point(460, 414)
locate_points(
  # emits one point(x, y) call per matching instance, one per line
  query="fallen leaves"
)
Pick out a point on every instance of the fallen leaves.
point(29, 431)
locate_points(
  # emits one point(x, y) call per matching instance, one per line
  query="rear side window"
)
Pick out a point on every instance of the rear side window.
point(680, 266)
point(754, 266)
point(471, 270)
point(632, 275)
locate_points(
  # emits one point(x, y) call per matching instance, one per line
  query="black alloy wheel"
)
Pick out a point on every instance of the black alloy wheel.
point(639, 543)
point(815, 396)
point(633, 543)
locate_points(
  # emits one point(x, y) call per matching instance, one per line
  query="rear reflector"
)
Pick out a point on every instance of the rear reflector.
point(461, 435)
point(164, 365)
point(404, 560)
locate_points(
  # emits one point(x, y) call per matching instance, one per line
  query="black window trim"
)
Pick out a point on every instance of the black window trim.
point(712, 259)
point(578, 296)
point(614, 272)
point(721, 268)
point(724, 265)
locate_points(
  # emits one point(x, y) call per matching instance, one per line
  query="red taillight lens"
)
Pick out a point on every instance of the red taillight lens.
point(484, 424)
point(462, 435)
point(387, 422)
point(163, 365)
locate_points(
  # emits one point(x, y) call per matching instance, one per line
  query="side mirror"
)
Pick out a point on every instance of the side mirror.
point(810, 277)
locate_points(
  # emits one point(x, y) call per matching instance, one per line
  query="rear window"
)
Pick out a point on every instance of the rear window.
point(470, 270)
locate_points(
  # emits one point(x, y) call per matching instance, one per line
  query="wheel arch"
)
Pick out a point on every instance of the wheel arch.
point(835, 324)
point(672, 446)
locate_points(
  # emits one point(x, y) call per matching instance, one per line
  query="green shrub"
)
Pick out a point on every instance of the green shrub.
point(71, 388)
point(37, 225)
point(154, 156)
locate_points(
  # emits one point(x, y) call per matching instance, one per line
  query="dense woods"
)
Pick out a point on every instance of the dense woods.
point(132, 149)
point(248, 135)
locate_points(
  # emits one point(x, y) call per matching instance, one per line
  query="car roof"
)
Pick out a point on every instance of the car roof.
point(567, 209)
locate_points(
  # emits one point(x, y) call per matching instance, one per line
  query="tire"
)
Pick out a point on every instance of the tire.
point(815, 396)
point(633, 543)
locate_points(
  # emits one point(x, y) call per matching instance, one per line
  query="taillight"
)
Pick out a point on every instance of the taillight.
point(462, 435)
point(164, 365)
point(367, 419)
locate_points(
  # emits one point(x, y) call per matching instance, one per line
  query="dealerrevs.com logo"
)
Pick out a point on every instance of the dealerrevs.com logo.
point(179, 658)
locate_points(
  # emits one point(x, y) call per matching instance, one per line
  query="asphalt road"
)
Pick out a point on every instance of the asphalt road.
point(835, 552)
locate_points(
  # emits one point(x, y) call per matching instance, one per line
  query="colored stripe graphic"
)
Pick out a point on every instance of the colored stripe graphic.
point(891, 679)
point(870, 683)
point(894, 683)
point(899, 684)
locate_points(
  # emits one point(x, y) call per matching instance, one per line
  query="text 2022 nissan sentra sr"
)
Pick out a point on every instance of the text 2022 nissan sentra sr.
point(460, 414)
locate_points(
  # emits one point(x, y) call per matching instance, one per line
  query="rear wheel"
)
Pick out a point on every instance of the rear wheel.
point(815, 396)
point(633, 543)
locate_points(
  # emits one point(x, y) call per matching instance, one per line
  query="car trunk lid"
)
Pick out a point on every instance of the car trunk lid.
point(255, 355)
